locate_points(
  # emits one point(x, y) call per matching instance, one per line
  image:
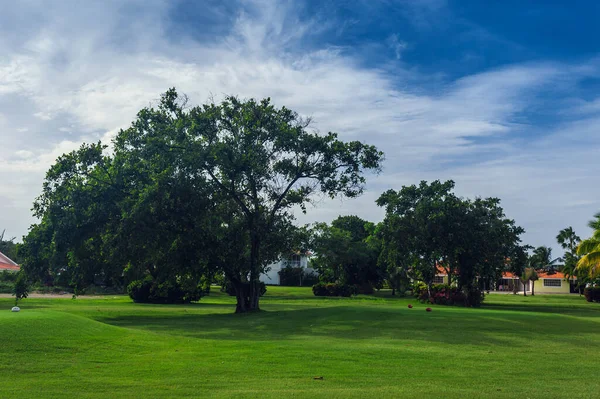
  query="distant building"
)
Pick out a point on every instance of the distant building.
point(8, 264)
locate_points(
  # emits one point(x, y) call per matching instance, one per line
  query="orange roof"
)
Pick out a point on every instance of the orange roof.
point(540, 275)
point(7, 264)
point(554, 275)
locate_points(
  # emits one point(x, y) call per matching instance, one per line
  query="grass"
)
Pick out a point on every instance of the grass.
point(533, 347)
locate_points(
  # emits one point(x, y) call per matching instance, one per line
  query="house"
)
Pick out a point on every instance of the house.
point(547, 283)
point(271, 277)
point(555, 283)
point(7, 264)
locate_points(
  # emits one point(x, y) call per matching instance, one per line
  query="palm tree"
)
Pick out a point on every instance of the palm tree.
point(589, 250)
point(569, 241)
point(531, 275)
point(542, 259)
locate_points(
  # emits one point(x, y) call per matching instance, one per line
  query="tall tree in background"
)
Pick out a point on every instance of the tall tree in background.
point(416, 226)
point(347, 252)
point(427, 227)
point(518, 263)
point(190, 191)
point(569, 241)
point(542, 260)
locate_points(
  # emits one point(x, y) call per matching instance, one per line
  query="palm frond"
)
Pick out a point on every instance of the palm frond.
point(588, 245)
point(590, 264)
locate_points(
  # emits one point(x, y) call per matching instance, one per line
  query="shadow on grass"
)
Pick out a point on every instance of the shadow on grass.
point(479, 328)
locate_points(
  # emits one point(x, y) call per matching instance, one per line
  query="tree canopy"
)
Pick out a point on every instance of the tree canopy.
point(428, 228)
point(189, 192)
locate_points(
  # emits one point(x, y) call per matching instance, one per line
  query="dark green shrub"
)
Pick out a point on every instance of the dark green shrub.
point(319, 289)
point(444, 294)
point(174, 290)
point(21, 287)
point(419, 287)
point(8, 276)
point(334, 289)
point(296, 277)
point(139, 290)
point(592, 294)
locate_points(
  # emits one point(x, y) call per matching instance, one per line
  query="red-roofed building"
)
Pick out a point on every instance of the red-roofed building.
point(7, 264)
point(547, 283)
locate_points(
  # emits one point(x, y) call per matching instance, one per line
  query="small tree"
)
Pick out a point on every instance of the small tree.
point(531, 275)
point(21, 288)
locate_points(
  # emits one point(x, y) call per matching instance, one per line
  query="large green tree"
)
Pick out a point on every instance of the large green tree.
point(416, 226)
point(428, 227)
point(191, 191)
point(347, 252)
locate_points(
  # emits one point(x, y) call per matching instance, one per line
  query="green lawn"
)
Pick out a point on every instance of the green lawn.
point(534, 347)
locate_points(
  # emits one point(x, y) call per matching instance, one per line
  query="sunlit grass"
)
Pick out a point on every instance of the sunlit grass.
point(542, 346)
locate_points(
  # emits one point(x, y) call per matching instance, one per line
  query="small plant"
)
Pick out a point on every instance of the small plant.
point(444, 294)
point(21, 288)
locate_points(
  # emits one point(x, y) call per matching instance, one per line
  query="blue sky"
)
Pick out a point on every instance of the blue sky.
point(500, 96)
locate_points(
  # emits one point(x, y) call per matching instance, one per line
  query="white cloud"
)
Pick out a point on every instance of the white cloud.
point(82, 83)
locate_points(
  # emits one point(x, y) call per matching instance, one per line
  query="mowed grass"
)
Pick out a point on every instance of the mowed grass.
point(533, 347)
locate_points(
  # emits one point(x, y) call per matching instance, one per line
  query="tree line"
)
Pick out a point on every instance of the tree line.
point(187, 195)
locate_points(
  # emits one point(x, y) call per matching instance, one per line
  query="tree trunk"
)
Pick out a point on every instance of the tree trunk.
point(248, 293)
point(247, 296)
point(393, 291)
point(524, 290)
point(532, 288)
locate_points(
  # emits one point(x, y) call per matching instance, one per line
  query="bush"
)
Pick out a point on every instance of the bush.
point(228, 287)
point(296, 277)
point(174, 290)
point(592, 294)
point(444, 294)
point(8, 276)
point(334, 289)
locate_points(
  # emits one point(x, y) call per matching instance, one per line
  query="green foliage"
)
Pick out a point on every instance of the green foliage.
point(592, 294)
point(569, 240)
point(588, 265)
point(188, 191)
point(296, 277)
point(152, 290)
point(21, 287)
point(8, 276)
point(230, 289)
point(428, 226)
point(444, 294)
point(334, 289)
point(347, 253)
